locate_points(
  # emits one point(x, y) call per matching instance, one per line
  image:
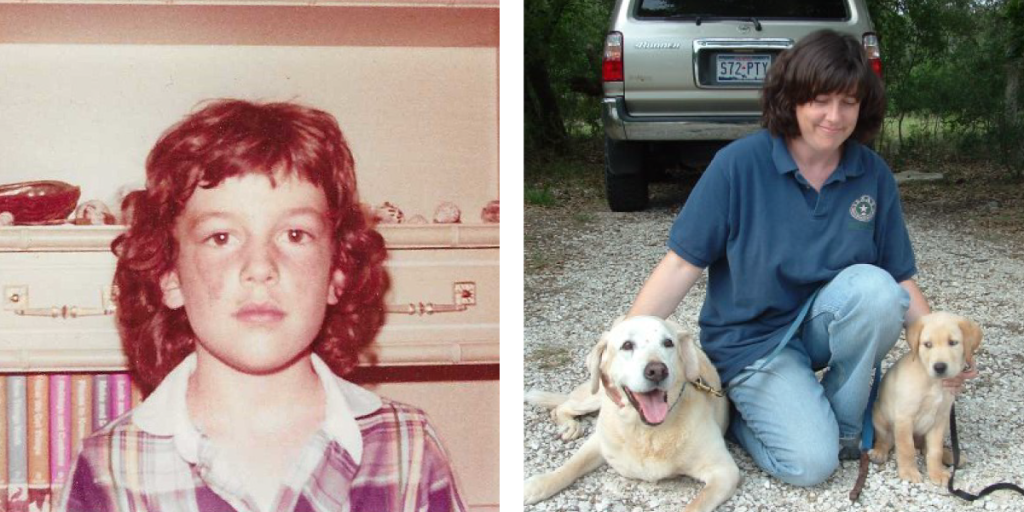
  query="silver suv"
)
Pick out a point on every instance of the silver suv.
point(683, 77)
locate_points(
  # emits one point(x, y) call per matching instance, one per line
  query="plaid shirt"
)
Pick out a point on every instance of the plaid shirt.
point(369, 455)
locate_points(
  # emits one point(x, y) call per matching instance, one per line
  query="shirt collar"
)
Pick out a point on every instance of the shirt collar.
point(165, 411)
point(784, 162)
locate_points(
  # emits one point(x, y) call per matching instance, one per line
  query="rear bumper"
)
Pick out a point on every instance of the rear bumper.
point(620, 125)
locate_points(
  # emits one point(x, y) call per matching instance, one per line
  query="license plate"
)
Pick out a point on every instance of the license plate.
point(732, 68)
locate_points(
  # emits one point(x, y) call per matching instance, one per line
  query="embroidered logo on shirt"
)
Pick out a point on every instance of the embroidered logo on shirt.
point(863, 209)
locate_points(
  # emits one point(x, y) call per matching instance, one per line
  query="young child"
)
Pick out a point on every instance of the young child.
point(249, 279)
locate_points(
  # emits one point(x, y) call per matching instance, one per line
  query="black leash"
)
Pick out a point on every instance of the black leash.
point(867, 435)
point(1001, 486)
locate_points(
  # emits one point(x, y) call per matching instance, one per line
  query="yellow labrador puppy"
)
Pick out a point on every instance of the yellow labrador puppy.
point(654, 423)
point(912, 404)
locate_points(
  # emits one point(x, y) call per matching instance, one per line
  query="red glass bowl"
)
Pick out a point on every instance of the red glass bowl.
point(39, 202)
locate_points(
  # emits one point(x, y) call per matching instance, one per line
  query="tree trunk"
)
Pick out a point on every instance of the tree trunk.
point(1013, 79)
point(546, 127)
point(899, 130)
point(1014, 120)
point(544, 105)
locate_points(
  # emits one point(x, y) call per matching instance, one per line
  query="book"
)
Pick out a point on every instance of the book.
point(137, 396)
point(120, 394)
point(100, 401)
point(17, 445)
point(81, 411)
point(60, 431)
point(38, 437)
point(3, 443)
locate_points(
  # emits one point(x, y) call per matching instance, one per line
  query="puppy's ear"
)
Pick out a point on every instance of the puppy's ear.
point(686, 351)
point(972, 337)
point(594, 363)
point(914, 334)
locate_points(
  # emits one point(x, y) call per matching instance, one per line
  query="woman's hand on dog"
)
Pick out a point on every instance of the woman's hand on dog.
point(956, 384)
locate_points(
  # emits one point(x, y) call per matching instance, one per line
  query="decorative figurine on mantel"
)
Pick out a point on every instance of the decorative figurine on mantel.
point(447, 213)
point(388, 213)
point(94, 213)
point(37, 202)
point(491, 213)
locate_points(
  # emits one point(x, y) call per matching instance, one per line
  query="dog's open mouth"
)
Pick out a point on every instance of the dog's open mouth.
point(652, 405)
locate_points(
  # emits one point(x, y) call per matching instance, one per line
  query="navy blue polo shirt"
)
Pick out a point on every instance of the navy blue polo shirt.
point(768, 239)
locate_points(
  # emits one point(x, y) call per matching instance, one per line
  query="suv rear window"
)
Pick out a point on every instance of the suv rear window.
point(708, 10)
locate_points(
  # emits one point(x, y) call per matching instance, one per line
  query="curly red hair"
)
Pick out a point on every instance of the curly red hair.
point(228, 138)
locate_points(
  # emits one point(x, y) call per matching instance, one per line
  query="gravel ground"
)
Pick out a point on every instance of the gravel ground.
point(585, 265)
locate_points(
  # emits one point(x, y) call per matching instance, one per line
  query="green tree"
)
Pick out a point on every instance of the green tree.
point(544, 123)
point(563, 44)
point(916, 34)
point(956, 65)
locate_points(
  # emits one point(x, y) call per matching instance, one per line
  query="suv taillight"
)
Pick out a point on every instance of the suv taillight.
point(611, 66)
point(874, 52)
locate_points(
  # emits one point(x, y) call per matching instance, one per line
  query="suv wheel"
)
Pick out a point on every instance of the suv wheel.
point(624, 179)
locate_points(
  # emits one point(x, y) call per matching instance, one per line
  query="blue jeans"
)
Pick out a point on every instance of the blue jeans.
point(793, 425)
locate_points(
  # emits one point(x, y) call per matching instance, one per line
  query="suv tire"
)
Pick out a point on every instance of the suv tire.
point(624, 178)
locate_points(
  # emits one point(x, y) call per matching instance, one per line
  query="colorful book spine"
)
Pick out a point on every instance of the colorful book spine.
point(120, 394)
point(60, 431)
point(3, 443)
point(39, 443)
point(137, 396)
point(81, 411)
point(17, 444)
point(100, 401)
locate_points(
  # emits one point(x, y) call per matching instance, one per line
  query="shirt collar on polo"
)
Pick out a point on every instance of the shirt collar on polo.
point(784, 162)
point(165, 411)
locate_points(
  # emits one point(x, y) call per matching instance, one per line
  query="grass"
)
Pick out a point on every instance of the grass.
point(536, 260)
point(582, 218)
point(566, 178)
point(551, 357)
point(539, 196)
point(928, 140)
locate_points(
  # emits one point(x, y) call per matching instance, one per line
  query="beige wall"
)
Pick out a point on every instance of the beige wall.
point(422, 121)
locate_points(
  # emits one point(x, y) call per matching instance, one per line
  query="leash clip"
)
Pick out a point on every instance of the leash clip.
point(699, 384)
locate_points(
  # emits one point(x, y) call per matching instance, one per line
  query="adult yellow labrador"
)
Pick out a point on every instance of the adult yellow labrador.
point(655, 422)
point(912, 404)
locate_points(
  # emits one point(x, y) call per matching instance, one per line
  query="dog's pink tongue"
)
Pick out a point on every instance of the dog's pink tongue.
point(653, 405)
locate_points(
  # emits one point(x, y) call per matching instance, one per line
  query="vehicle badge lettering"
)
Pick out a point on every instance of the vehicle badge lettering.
point(863, 209)
point(646, 45)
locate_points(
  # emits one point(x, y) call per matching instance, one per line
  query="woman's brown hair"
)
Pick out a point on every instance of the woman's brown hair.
point(823, 62)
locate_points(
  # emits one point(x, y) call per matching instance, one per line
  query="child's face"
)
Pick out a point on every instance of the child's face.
point(253, 270)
